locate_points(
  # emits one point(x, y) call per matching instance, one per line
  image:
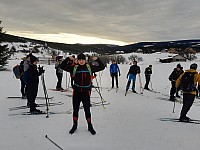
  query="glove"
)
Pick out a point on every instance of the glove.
point(119, 74)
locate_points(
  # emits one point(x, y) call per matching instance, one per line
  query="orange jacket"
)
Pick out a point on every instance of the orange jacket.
point(196, 79)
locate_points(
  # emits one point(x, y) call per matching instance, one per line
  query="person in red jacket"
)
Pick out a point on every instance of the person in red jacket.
point(81, 74)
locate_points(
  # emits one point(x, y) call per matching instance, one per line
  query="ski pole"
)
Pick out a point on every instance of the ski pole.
point(54, 143)
point(46, 95)
point(141, 89)
point(66, 80)
point(151, 85)
point(174, 106)
point(100, 79)
point(102, 99)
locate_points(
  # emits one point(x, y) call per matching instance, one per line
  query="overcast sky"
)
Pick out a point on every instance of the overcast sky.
point(127, 21)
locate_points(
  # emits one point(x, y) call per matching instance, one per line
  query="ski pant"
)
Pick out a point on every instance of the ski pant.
point(31, 96)
point(59, 76)
point(114, 76)
point(83, 97)
point(23, 87)
point(148, 78)
point(188, 100)
point(131, 77)
point(174, 89)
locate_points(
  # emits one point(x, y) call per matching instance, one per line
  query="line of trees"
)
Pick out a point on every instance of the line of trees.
point(4, 52)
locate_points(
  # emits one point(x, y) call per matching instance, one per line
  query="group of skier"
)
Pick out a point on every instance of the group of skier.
point(186, 81)
point(82, 71)
point(131, 75)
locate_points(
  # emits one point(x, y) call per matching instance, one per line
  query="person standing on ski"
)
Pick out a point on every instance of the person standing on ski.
point(173, 77)
point(148, 72)
point(82, 73)
point(133, 71)
point(188, 93)
point(23, 84)
point(59, 73)
point(33, 81)
point(114, 70)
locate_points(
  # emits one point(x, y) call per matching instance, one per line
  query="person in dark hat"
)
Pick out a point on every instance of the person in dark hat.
point(59, 73)
point(148, 72)
point(173, 77)
point(189, 91)
point(33, 81)
point(81, 74)
point(131, 76)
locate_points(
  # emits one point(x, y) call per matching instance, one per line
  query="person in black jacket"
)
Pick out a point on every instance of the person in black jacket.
point(23, 84)
point(81, 73)
point(33, 81)
point(173, 77)
point(133, 71)
point(59, 73)
point(148, 72)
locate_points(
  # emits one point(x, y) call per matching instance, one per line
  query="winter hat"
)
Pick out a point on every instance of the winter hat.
point(178, 66)
point(81, 56)
point(29, 55)
point(193, 66)
point(33, 59)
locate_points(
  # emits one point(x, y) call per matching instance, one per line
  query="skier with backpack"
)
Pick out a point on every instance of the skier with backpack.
point(114, 70)
point(187, 82)
point(81, 74)
point(173, 77)
point(133, 71)
point(23, 84)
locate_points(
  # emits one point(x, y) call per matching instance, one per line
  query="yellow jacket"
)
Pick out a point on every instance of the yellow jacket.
point(196, 79)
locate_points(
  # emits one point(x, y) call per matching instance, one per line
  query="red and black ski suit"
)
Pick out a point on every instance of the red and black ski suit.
point(82, 85)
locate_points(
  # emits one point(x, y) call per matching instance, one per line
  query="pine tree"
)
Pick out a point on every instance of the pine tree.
point(4, 52)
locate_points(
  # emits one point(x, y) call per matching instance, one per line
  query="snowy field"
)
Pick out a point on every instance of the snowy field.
point(130, 122)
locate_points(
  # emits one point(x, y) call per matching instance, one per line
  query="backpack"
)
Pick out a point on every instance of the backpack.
point(76, 66)
point(88, 70)
point(17, 71)
point(187, 82)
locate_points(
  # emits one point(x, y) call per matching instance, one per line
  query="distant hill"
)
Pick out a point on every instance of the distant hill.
point(147, 47)
point(159, 46)
point(73, 48)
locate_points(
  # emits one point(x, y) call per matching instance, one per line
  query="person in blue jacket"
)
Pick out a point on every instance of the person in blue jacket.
point(114, 70)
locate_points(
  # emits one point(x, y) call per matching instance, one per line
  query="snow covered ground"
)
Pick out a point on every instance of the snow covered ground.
point(129, 122)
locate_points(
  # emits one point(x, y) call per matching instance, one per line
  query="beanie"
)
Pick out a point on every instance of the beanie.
point(33, 59)
point(81, 56)
point(193, 66)
point(178, 66)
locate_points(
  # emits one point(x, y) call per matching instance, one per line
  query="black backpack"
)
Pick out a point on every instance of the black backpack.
point(187, 82)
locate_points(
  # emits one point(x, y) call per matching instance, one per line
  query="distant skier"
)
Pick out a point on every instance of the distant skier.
point(148, 72)
point(114, 70)
point(59, 73)
point(188, 81)
point(133, 71)
point(33, 81)
point(82, 73)
point(173, 77)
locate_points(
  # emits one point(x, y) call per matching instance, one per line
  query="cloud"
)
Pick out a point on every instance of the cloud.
point(121, 20)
